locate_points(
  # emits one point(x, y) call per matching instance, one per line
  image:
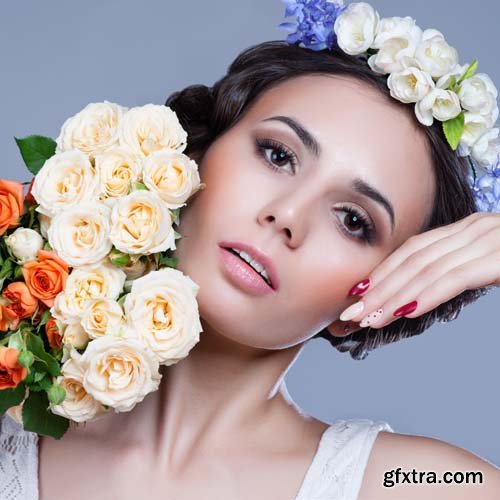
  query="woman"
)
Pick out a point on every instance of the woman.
point(315, 171)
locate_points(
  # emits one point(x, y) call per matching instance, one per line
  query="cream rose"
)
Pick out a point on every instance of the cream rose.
point(162, 309)
point(74, 335)
point(356, 28)
point(85, 283)
point(92, 130)
point(80, 235)
point(102, 317)
point(397, 40)
point(78, 405)
point(117, 169)
point(65, 180)
point(487, 148)
point(149, 128)
point(410, 85)
point(141, 223)
point(434, 55)
point(119, 372)
point(44, 225)
point(172, 175)
point(24, 243)
point(440, 104)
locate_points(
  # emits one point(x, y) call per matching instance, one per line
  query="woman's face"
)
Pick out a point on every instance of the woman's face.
point(266, 188)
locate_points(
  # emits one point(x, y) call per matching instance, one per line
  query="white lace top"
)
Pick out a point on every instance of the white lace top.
point(336, 471)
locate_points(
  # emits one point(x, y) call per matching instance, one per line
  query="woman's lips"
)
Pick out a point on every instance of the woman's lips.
point(242, 274)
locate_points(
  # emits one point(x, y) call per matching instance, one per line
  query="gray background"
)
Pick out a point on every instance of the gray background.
point(57, 56)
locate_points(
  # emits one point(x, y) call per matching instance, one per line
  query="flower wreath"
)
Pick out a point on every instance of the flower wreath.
point(423, 70)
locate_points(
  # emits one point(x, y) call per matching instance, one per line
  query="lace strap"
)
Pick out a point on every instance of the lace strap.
point(340, 461)
point(18, 461)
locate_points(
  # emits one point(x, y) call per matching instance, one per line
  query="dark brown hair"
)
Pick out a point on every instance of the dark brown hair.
point(207, 112)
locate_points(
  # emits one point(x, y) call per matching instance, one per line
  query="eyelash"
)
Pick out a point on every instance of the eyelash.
point(368, 235)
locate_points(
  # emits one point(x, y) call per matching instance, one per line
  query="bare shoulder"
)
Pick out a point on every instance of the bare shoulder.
point(415, 467)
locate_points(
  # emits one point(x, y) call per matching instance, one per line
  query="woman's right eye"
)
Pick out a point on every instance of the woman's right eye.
point(280, 155)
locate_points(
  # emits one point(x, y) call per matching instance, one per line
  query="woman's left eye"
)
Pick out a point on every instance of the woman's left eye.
point(280, 155)
point(360, 222)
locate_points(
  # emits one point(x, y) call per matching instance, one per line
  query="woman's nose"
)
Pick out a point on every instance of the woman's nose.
point(288, 216)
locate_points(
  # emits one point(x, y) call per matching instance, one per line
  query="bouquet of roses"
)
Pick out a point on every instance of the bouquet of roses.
point(91, 301)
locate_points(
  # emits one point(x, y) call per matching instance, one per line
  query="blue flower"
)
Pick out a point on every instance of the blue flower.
point(486, 189)
point(314, 22)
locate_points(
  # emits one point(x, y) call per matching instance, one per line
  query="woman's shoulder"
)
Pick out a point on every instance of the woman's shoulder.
point(410, 466)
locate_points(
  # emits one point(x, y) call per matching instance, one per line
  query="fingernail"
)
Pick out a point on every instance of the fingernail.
point(370, 318)
point(352, 311)
point(406, 309)
point(359, 288)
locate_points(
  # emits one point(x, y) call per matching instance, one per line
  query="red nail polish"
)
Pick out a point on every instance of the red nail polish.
point(406, 309)
point(359, 288)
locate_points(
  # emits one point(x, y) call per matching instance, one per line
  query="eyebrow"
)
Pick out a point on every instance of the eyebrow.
point(358, 184)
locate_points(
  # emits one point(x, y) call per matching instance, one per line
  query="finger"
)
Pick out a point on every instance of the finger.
point(414, 244)
point(438, 283)
point(443, 248)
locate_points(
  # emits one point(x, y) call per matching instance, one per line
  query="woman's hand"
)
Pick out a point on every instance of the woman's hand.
point(430, 268)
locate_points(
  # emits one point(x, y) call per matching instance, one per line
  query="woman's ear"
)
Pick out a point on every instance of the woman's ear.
point(342, 328)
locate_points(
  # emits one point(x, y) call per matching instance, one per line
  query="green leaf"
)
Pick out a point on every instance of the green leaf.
point(38, 418)
point(35, 344)
point(7, 268)
point(11, 397)
point(46, 246)
point(453, 130)
point(36, 150)
point(38, 376)
point(44, 318)
point(164, 260)
point(471, 71)
point(18, 272)
point(453, 82)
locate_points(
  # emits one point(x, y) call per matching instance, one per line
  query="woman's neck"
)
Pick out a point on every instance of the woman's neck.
point(219, 392)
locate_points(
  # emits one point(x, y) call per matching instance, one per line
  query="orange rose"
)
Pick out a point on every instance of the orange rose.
point(21, 300)
point(11, 204)
point(11, 372)
point(8, 318)
point(46, 277)
point(53, 334)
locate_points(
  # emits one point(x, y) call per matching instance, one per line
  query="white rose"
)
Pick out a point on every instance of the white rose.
point(474, 127)
point(80, 235)
point(487, 148)
point(78, 405)
point(64, 180)
point(479, 95)
point(145, 129)
point(434, 55)
point(44, 225)
point(119, 372)
point(24, 243)
point(162, 309)
point(117, 169)
point(397, 40)
point(172, 175)
point(141, 223)
point(74, 335)
point(101, 317)
point(84, 283)
point(440, 104)
point(356, 27)
point(92, 130)
point(410, 85)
